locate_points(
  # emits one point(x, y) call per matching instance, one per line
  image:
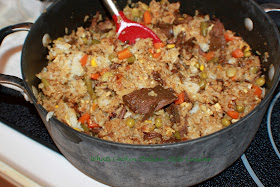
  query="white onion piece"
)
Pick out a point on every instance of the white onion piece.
point(271, 72)
point(49, 115)
point(249, 25)
point(46, 40)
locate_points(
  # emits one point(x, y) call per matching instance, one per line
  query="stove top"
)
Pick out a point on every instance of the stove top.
point(258, 166)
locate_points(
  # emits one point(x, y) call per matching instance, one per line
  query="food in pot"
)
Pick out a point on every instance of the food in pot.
point(200, 79)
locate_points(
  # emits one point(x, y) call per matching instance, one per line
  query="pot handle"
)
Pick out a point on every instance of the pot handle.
point(8, 79)
point(270, 7)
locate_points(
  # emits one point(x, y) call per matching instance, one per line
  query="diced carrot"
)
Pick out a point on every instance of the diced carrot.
point(91, 124)
point(233, 114)
point(93, 107)
point(228, 37)
point(156, 55)
point(233, 78)
point(94, 76)
point(209, 55)
point(84, 118)
point(219, 67)
point(238, 53)
point(180, 99)
point(147, 17)
point(151, 50)
point(125, 53)
point(258, 91)
point(159, 45)
point(103, 71)
point(84, 60)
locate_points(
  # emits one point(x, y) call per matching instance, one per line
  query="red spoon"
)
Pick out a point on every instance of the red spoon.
point(127, 30)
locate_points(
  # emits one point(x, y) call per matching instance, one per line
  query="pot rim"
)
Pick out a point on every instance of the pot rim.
point(266, 99)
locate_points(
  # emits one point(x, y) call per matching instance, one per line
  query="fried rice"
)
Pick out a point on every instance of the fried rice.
point(200, 80)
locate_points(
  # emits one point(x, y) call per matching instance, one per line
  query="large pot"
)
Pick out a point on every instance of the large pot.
point(219, 150)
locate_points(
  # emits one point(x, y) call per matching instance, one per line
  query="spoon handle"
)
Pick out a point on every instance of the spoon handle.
point(111, 7)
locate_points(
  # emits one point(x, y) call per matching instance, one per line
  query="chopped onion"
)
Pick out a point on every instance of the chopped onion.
point(46, 40)
point(49, 115)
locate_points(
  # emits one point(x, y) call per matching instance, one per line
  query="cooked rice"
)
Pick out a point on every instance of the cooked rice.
point(64, 87)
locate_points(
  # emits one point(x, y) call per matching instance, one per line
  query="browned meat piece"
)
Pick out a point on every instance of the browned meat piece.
point(167, 29)
point(173, 112)
point(217, 39)
point(105, 26)
point(186, 97)
point(148, 100)
point(183, 44)
point(157, 77)
point(112, 115)
point(172, 140)
point(95, 20)
point(122, 113)
point(183, 131)
point(180, 39)
point(151, 135)
point(189, 44)
point(114, 65)
point(95, 130)
point(180, 75)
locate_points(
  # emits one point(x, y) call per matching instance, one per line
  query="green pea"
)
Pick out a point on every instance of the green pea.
point(260, 81)
point(131, 59)
point(85, 127)
point(85, 41)
point(130, 122)
point(112, 56)
point(214, 60)
point(89, 87)
point(197, 65)
point(254, 70)
point(231, 71)
point(177, 135)
point(105, 77)
point(135, 12)
point(225, 122)
point(240, 108)
point(45, 82)
point(94, 41)
point(203, 75)
point(247, 54)
point(204, 28)
point(202, 84)
point(158, 123)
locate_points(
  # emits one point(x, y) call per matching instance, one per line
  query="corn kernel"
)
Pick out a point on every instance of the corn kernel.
point(219, 67)
point(77, 129)
point(180, 19)
point(170, 46)
point(60, 39)
point(145, 6)
point(148, 121)
point(201, 67)
point(93, 63)
point(56, 106)
point(158, 50)
point(245, 47)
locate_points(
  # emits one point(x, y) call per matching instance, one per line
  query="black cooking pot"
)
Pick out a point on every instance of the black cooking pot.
point(120, 164)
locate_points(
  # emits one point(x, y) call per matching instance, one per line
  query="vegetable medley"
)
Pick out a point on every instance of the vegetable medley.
point(200, 79)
